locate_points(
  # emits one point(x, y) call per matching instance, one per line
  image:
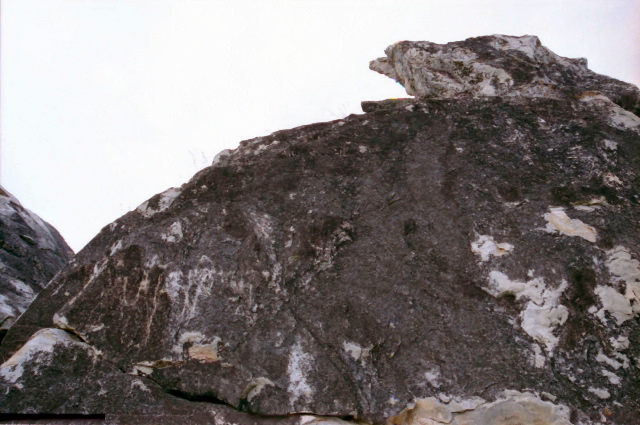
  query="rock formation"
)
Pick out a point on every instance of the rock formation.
point(466, 259)
point(496, 65)
point(31, 253)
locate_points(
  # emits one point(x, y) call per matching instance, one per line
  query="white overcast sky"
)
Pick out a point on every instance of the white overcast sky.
point(105, 103)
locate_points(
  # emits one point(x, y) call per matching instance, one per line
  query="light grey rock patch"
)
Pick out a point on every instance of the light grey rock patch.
point(621, 299)
point(500, 65)
point(511, 408)
point(486, 247)
point(559, 221)
point(159, 202)
point(542, 313)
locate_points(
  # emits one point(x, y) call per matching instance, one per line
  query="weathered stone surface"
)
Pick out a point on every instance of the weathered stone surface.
point(465, 261)
point(77, 379)
point(373, 105)
point(31, 253)
point(497, 65)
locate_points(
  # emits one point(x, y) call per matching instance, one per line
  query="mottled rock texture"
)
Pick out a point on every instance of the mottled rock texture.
point(31, 253)
point(496, 65)
point(471, 260)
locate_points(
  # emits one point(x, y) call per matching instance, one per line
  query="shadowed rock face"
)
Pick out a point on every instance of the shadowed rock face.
point(31, 253)
point(497, 65)
point(461, 261)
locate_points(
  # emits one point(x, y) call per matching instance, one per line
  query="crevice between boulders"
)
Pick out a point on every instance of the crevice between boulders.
point(75, 334)
point(212, 399)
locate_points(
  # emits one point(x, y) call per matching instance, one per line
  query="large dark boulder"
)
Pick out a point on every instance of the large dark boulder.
point(31, 253)
point(471, 260)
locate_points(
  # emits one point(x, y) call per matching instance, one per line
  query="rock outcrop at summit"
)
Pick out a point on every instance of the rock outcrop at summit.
point(31, 253)
point(496, 65)
point(463, 260)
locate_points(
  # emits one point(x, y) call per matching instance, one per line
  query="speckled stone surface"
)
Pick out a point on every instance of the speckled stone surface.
point(467, 260)
point(31, 253)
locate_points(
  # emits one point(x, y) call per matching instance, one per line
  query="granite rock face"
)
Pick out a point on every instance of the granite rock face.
point(472, 260)
point(31, 253)
point(497, 65)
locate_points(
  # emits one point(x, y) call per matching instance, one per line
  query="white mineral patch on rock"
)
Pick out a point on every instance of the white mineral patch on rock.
point(39, 347)
point(613, 302)
point(558, 221)
point(60, 321)
point(354, 350)
point(619, 342)
point(542, 314)
point(261, 148)
point(626, 269)
point(611, 145)
point(136, 383)
point(185, 337)
point(528, 44)
point(115, 247)
point(615, 364)
point(174, 233)
point(166, 199)
point(600, 392)
point(173, 284)
point(622, 304)
point(540, 322)
point(445, 398)
point(612, 377)
point(141, 370)
point(486, 247)
point(538, 358)
point(612, 180)
point(433, 377)
point(207, 353)
point(500, 285)
point(298, 368)
point(187, 291)
point(255, 387)
point(511, 407)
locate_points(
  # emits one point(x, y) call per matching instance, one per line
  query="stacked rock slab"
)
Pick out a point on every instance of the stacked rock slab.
point(31, 253)
point(496, 65)
point(467, 259)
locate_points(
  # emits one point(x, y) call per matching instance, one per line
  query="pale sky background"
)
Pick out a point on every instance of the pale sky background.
point(105, 103)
